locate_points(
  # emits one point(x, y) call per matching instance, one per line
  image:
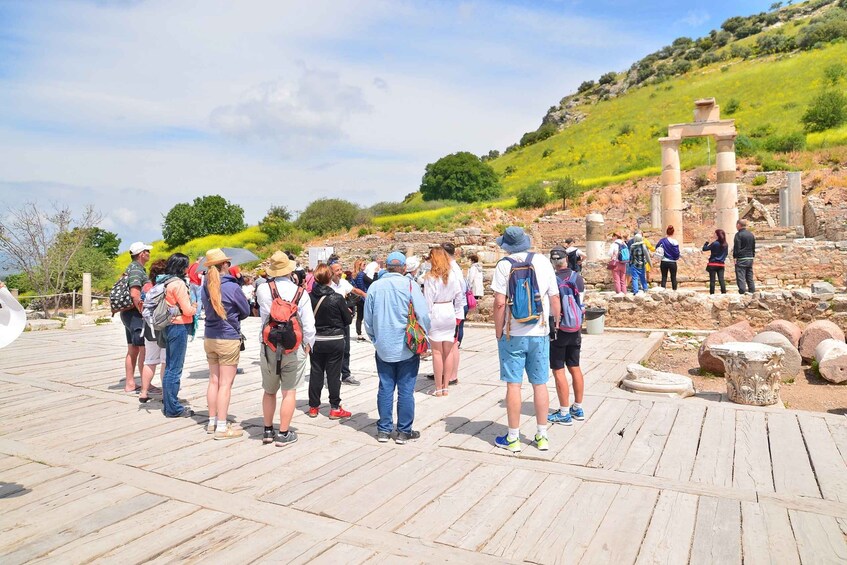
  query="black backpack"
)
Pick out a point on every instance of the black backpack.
point(573, 261)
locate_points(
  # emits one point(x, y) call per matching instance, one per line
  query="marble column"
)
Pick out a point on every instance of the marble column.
point(595, 236)
point(671, 187)
point(726, 194)
point(791, 202)
point(86, 293)
point(656, 207)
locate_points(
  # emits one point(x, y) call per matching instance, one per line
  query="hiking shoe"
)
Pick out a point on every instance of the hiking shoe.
point(577, 413)
point(313, 412)
point(503, 441)
point(283, 440)
point(338, 413)
point(268, 436)
point(403, 437)
point(541, 442)
point(186, 413)
point(383, 437)
point(351, 380)
point(559, 417)
point(230, 433)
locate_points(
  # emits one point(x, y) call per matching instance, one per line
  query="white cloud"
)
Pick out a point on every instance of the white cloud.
point(695, 18)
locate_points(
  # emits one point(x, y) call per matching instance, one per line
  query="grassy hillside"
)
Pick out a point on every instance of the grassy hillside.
point(618, 138)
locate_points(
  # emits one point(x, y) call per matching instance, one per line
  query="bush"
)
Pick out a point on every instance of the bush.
point(680, 67)
point(328, 215)
point(827, 110)
point(760, 180)
point(732, 106)
point(740, 51)
point(207, 215)
point(586, 85)
point(533, 196)
point(768, 163)
point(460, 176)
point(608, 78)
point(785, 143)
point(547, 152)
point(828, 28)
point(542, 133)
point(834, 73)
point(510, 170)
point(744, 146)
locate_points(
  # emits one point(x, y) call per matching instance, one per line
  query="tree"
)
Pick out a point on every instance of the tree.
point(460, 176)
point(104, 241)
point(566, 189)
point(533, 196)
point(43, 245)
point(205, 216)
point(276, 223)
point(827, 110)
point(776, 5)
point(328, 215)
point(608, 78)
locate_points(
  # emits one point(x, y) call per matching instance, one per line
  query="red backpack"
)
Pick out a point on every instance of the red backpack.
point(283, 332)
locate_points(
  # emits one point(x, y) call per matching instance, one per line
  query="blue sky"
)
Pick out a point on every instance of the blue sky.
point(136, 105)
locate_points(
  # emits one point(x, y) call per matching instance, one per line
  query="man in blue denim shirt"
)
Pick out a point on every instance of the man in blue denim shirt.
point(386, 314)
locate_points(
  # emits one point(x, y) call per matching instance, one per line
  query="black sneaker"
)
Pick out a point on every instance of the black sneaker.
point(283, 440)
point(383, 437)
point(403, 437)
point(351, 380)
point(268, 436)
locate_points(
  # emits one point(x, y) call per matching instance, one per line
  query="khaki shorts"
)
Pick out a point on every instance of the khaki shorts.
point(292, 369)
point(222, 351)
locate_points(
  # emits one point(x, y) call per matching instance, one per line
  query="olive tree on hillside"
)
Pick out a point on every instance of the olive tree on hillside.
point(207, 215)
point(460, 176)
point(566, 189)
point(327, 215)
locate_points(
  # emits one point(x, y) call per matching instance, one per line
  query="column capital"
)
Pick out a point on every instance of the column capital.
point(725, 136)
point(670, 141)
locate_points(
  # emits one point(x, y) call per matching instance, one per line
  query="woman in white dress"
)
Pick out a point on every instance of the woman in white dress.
point(475, 277)
point(444, 294)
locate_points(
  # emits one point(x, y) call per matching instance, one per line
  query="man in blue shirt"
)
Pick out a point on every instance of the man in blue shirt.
point(386, 314)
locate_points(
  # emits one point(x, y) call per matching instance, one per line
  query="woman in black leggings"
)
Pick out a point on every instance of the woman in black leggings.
point(718, 251)
point(670, 255)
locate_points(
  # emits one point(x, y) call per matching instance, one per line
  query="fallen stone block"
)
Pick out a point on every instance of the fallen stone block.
point(791, 360)
point(753, 372)
point(789, 329)
point(822, 288)
point(742, 331)
point(831, 356)
point(643, 380)
point(815, 333)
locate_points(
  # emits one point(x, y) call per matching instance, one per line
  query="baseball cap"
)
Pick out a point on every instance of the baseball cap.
point(558, 252)
point(396, 259)
point(138, 247)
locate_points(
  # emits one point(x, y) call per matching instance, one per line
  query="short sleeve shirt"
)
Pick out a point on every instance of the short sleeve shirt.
point(343, 287)
point(136, 275)
point(547, 287)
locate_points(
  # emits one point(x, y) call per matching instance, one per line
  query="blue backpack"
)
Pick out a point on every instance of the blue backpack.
point(572, 314)
point(623, 253)
point(524, 298)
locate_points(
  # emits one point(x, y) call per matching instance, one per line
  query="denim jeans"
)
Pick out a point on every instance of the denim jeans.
point(176, 339)
point(402, 376)
point(195, 292)
point(639, 277)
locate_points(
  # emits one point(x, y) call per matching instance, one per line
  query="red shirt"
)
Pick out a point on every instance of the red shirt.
point(193, 277)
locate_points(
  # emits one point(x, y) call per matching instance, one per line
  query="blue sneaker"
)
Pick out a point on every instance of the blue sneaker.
point(503, 441)
point(577, 413)
point(559, 417)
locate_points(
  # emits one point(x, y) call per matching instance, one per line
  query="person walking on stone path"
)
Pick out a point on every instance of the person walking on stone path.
point(475, 280)
point(618, 262)
point(446, 301)
point(744, 252)
point(718, 250)
point(524, 346)
point(139, 254)
point(293, 366)
point(565, 350)
point(154, 354)
point(386, 317)
point(176, 335)
point(639, 258)
point(668, 251)
point(225, 306)
point(453, 378)
point(332, 316)
point(343, 287)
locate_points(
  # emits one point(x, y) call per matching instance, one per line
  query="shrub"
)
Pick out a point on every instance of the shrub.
point(327, 215)
point(834, 73)
point(763, 130)
point(533, 196)
point(510, 170)
point(547, 152)
point(827, 110)
point(608, 78)
point(823, 30)
point(768, 163)
point(701, 179)
point(760, 180)
point(586, 85)
point(744, 146)
point(460, 176)
point(786, 143)
point(542, 133)
point(732, 106)
point(740, 51)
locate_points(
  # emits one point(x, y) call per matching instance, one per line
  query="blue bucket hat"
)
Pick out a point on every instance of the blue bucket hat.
point(514, 240)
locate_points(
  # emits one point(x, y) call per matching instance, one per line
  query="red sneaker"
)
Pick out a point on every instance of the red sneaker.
point(313, 412)
point(338, 413)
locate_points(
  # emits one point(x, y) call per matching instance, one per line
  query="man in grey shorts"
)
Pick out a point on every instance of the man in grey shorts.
point(294, 364)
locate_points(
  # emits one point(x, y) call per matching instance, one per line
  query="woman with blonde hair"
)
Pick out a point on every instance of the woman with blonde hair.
point(445, 297)
point(225, 306)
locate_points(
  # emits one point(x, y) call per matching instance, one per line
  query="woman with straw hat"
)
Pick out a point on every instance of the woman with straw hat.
point(225, 307)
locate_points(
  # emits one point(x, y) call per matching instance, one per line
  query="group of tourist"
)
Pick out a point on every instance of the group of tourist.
point(633, 258)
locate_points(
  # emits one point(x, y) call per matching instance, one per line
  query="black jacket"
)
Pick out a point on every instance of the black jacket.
point(333, 315)
point(744, 245)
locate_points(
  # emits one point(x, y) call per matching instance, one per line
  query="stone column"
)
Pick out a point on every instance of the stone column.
point(656, 207)
point(671, 187)
point(791, 202)
point(595, 236)
point(86, 293)
point(726, 195)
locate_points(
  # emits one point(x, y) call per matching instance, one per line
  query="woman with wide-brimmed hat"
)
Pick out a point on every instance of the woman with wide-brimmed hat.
point(225, 307)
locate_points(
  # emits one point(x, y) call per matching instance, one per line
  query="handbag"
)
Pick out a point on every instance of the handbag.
point(243, 339)
point(612, 264)
point(416, 339)
point(471, 299)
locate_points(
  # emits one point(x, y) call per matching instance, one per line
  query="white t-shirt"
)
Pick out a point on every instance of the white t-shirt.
point(547, 286)
point(460, 276)
point(343, 287)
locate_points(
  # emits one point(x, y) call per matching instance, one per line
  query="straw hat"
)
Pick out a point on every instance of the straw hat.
point(215, 257)
point(280, 265)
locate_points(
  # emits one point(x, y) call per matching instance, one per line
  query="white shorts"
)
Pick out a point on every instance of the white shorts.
point(153, 354)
